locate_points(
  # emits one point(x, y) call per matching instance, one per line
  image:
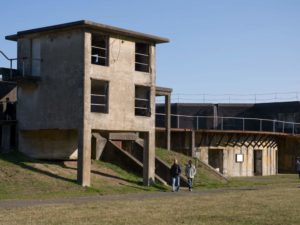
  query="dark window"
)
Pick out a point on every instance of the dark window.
point(99, 96)
point(142, 57)
point(100, 49)
point(142, 101)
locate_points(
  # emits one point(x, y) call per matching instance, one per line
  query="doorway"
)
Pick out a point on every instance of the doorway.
point(258, 162)
point(215, 159)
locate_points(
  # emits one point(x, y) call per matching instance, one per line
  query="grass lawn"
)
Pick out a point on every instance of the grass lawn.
point(272, 205)
point(270, 200)
point(24, 178)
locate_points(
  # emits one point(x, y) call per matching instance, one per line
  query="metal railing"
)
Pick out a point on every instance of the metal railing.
point(21, 60)
point(224, 98)
point(229, 123)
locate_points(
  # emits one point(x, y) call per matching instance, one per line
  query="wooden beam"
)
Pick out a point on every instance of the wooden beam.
point(219, 142)
point(262, 141)
point(211, 139)
point(246, 139)
point(229, 139)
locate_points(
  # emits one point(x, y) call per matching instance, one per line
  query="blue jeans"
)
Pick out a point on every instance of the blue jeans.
point(190, 183)
point(175, 183)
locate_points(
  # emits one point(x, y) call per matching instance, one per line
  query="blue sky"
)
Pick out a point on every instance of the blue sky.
point(217, 46)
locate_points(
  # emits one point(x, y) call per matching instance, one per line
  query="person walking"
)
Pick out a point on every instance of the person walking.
point(190, 172)
point(298, 166)
point(175, 175)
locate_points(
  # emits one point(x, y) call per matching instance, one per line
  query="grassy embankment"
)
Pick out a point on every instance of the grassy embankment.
point(206, 180)
point(24, 178)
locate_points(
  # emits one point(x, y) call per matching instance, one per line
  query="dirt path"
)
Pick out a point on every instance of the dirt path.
point(10, 204)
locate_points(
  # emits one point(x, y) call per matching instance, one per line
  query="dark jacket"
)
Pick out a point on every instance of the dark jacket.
point(175, 170)
point(298, 166)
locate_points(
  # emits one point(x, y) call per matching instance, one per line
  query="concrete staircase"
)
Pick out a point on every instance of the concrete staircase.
point(111, 151)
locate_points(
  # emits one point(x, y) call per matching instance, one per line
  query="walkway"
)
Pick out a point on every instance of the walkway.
point(10, 204)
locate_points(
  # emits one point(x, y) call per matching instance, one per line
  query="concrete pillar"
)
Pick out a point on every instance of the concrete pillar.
point(149, 158)
point(168, 121)
point(192, 143)
point(84, 158)
point(6, 136)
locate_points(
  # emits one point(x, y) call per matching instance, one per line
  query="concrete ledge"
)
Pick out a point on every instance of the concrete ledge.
point(123, 136)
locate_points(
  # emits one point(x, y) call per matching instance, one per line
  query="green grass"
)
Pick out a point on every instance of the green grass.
point(25, 178)
point(134, 182)
point(276, 205)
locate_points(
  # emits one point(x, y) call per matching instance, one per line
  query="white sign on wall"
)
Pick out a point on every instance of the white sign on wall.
point(239, 158)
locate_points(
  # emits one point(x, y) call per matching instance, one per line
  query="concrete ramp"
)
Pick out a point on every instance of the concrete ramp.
point(211, 170)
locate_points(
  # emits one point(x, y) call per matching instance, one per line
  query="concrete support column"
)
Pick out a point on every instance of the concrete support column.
point(6, 137)
point(168, 121)
point(149, 158)
point(84, 157)
point(192, 143)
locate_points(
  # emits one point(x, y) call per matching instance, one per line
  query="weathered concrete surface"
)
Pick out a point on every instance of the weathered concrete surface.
point(49, 144)
point(99, 143)
point(56, 102)
point(128, 136)
point(229, 145)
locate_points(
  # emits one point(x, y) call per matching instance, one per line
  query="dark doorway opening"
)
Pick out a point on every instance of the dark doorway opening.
point(258, 162)
point(215, 159)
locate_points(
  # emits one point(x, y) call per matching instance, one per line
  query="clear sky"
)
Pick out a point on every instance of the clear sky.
point(217, 46)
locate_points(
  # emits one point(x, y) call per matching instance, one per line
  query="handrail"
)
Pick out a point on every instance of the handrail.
point(16, 59)
point(223, 122)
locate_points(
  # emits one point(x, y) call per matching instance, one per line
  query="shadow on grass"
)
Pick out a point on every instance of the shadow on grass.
point(22, 161)
point(139, 184)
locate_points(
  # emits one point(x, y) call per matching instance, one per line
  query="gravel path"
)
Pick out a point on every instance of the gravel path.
point(10, 204)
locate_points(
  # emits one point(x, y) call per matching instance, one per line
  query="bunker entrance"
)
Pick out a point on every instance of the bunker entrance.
point(215, 159)
point(258, 162)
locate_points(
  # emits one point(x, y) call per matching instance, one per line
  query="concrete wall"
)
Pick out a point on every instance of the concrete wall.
point(52, 106)
point(122, 79)
point(49, 144)
point(56, 101)
point(231, 168)
point(230, 145)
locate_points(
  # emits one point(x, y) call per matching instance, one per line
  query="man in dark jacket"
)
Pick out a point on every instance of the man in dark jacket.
point(175, 175)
